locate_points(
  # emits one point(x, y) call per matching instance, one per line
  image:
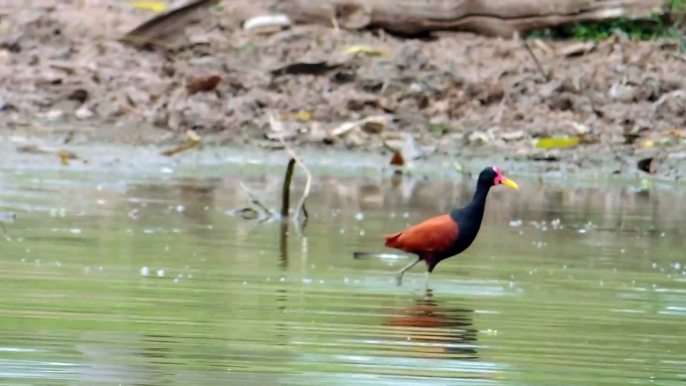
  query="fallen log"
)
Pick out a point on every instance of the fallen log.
point(501, 18)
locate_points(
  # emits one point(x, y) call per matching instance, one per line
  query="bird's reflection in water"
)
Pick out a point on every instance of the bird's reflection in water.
point(434, 331)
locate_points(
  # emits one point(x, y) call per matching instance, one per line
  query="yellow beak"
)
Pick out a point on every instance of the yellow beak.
point(508, 182)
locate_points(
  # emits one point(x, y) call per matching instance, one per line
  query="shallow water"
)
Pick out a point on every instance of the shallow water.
point(147, 278)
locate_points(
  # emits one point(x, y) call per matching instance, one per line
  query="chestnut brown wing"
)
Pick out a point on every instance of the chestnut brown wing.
point(434, 235)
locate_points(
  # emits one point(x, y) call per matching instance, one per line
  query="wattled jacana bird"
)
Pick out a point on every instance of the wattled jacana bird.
point(447, 235)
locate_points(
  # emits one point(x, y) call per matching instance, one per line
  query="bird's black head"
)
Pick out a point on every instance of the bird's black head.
point(493, 176)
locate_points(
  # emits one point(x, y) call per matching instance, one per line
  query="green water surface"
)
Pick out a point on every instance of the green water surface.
point(135, 277)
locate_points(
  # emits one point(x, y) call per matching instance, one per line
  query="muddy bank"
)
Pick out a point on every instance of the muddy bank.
point(62, 74)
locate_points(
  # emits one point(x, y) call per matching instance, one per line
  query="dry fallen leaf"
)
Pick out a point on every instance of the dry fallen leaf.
point(538, 43)
point(479, 137)
point(203, 83)
point(677, 133)
point(63, 157)
point(577, 49)
point(512, 135)
point(193, 136)
point(397, 159)
point(556, 142)
point(66, 155)
point(267, 21)
point(342, 129)
point(300, 116)
point(154, 6)
point(376, 124)
point(581, 129)
point(368, 50)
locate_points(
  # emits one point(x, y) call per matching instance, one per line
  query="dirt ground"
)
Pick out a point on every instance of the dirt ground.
point(62, 72)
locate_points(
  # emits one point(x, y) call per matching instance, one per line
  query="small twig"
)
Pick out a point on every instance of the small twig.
point(533, 56)
point(254, 199)
point(285, 203)
point(286, 189)
point(308, 183)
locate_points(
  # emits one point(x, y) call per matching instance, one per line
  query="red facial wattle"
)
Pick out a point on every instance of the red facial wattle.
point(499, 178)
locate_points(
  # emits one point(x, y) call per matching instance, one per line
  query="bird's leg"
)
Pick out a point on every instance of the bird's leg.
point(399, 275)
point(426, 283)
point(428, 294)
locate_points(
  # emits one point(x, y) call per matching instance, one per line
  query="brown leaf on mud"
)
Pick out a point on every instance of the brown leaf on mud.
point(193, 141)
point(203, 83)
point(375, 125)
point(397, 159)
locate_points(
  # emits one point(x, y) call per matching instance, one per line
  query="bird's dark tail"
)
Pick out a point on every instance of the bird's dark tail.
point(362, 255)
